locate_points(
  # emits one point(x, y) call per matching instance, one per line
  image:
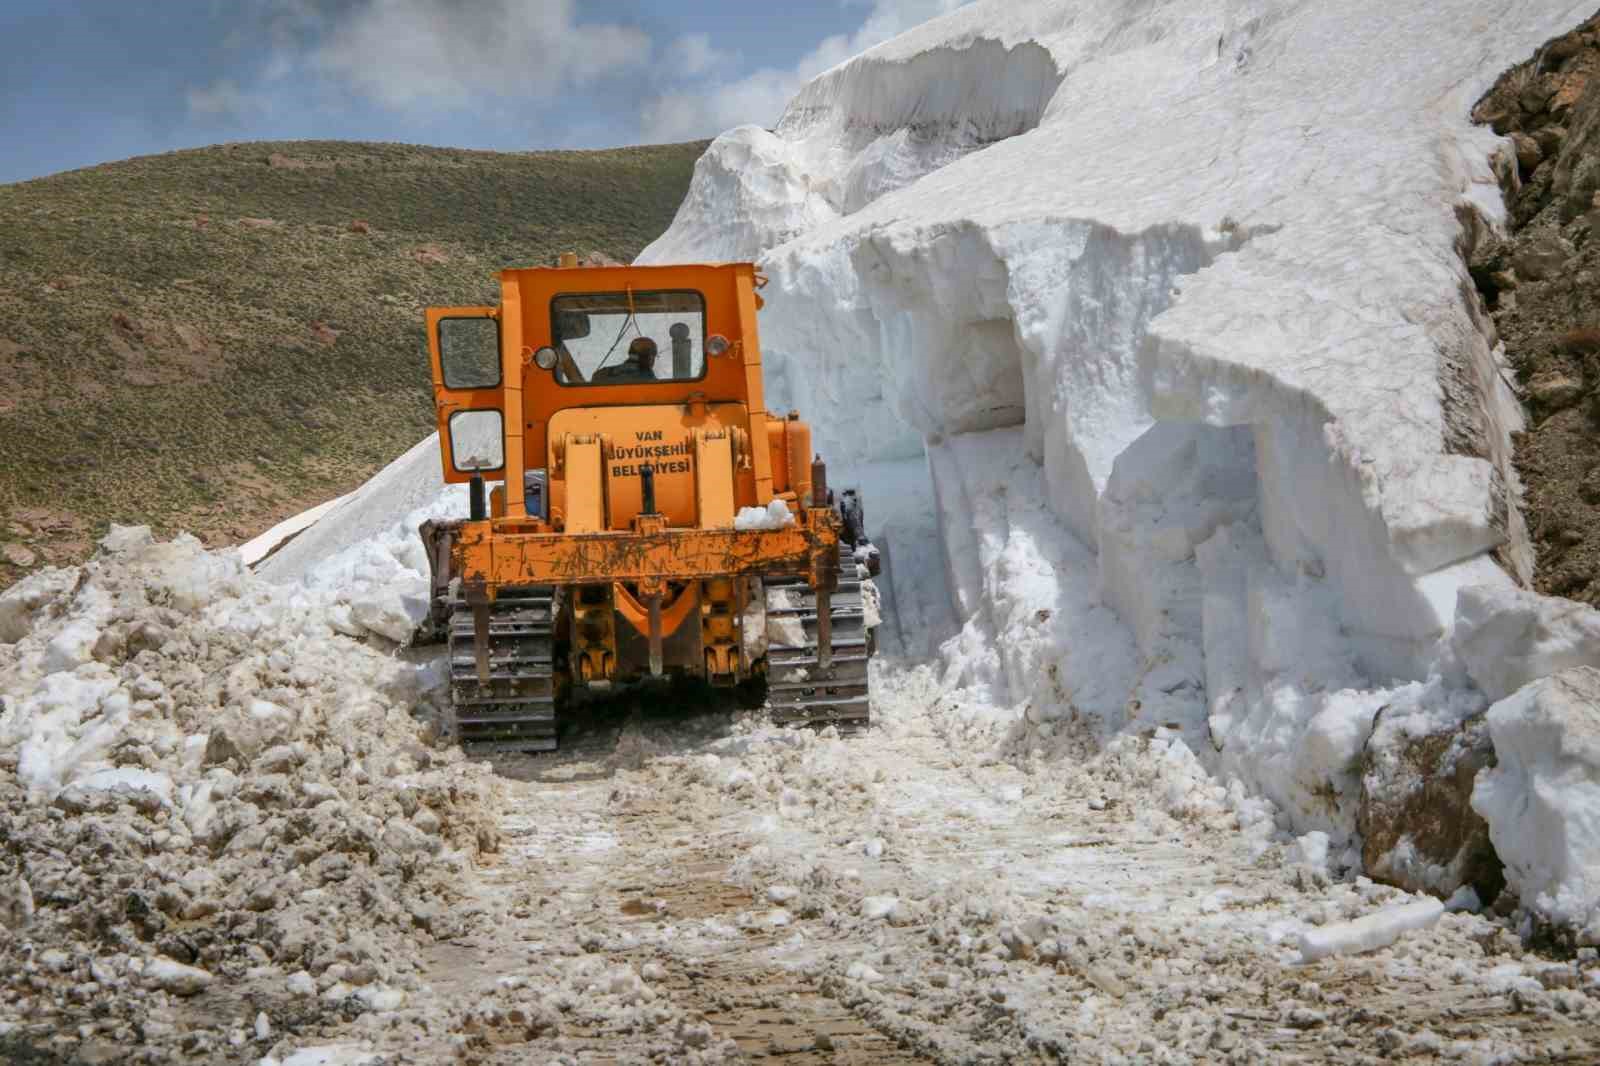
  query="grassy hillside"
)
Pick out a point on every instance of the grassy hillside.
point(212, 339)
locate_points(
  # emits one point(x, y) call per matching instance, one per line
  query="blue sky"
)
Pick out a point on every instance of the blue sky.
point(86, 81)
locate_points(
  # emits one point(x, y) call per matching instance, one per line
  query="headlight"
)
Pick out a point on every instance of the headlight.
point(716, 344)
point(545, 358)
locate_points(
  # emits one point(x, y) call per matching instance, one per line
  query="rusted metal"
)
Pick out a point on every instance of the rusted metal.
point(499, 559)
point(655, 634)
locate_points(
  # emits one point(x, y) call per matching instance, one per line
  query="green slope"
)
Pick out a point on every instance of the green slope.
point(211, 339)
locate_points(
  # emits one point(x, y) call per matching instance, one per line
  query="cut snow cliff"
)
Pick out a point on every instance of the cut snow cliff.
point(1202, 262)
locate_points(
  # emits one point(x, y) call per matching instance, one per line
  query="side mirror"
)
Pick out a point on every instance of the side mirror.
point(572, 325)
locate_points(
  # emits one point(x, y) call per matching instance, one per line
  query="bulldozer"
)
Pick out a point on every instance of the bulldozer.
point(635, 514)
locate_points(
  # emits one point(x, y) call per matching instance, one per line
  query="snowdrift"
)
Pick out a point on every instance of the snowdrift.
point(1174, 298)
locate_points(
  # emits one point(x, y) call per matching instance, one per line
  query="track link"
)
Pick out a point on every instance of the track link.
point(516, 710)
point(800, 690)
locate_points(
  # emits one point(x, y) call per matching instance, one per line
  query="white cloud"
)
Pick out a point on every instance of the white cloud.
point(409, 53)
point(693, 54)
point(760, 97)
point(221, 99)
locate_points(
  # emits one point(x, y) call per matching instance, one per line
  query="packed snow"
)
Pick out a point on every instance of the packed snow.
point(1175, 304)
point(1542, 801)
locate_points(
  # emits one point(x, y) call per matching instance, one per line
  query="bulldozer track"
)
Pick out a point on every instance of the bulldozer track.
point(516, 709)
point(800, 689)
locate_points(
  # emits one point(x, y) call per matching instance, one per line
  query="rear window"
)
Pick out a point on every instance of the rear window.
point(607, 338)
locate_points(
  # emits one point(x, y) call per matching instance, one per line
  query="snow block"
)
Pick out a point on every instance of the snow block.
point(1369, 932)
point(1508, 637)
point(1542, 801)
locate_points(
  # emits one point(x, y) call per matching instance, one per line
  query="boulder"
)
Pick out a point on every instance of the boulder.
point(1528, 152)
point(1542, 258)
point(1554, 392)
point(1418, 829)
point(18, 555)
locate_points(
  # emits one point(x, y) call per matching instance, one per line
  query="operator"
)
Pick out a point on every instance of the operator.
point(639, 366)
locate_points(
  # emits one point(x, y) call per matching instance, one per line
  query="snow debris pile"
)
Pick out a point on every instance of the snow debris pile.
point(1219, 429)
point(204, 783)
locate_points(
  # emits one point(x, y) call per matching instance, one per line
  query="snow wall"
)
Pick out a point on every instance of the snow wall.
point(1173, 297)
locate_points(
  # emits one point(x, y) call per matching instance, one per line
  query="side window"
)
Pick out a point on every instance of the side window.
point(469, 352)
point(618, 337)
point(477, 440)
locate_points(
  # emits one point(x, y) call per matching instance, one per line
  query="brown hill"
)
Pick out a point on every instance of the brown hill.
point(212, 339)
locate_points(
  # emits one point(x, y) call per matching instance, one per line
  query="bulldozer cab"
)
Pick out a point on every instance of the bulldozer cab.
point(650, 365)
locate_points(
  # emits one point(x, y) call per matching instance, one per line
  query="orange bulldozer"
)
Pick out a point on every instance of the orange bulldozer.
point(634, 512)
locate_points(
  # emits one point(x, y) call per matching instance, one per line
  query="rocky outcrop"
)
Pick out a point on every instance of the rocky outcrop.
point(1541, 283)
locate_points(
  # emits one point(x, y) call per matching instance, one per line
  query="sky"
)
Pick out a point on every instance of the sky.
point(89, 81)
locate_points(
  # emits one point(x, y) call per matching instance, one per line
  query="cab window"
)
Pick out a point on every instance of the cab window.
point(622, 338)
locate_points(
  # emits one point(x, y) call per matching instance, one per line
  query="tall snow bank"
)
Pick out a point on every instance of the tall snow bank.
point(410, 486)
point(1217, 284)
point(1542, 801)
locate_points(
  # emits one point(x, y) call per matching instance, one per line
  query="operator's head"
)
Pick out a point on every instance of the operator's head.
point(643, 352)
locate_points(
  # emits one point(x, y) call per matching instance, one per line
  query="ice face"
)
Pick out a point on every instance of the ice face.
point(1202, 272)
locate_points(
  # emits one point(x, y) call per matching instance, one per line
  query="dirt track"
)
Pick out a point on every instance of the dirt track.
point(696, 891)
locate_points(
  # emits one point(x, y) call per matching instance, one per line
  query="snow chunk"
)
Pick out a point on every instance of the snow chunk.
point(1508, 637)
point(1542, 801)
point(1369, 932)
point(130, 779)
point(775, 515)
point(326, 1055)
point(168, 975)
point(876, 907)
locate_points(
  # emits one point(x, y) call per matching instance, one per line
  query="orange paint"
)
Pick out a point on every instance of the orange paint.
point(708, 439)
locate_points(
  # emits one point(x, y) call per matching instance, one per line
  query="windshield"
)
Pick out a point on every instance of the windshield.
point(618, 337)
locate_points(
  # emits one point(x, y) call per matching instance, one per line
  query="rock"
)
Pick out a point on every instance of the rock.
point(1508, 637)
point(1418, 829)
point(19, 556)
point(360, 225)
point(16, 904)
point(19, 602)
point(1554, 392)
point(1589, 487)
point(1528, 152)
point(1536, 95)
point(220, 747)
point(301, 983)
point(1542, 258)
point(168, 975)
point(1549, 140)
